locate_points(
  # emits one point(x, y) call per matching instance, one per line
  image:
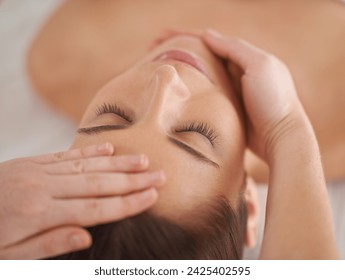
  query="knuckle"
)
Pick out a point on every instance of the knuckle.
point(83, 152)
point(58, 156)
point(77, 166)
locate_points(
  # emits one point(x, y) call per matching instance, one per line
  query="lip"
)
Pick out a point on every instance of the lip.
point(184, 57)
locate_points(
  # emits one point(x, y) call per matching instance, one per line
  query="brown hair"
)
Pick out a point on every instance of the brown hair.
point(217, 235)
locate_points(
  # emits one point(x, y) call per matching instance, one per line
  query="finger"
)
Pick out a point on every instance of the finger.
point(90, 212)
point(97, 185)
point(49, 244)
point(122, 163)
point(233, 49)
point(91, 151)
point(235, 76)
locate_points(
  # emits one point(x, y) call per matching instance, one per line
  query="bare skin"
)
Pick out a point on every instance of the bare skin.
point(89, 42)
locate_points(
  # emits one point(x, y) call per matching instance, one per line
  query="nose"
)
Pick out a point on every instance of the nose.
point(167, 92)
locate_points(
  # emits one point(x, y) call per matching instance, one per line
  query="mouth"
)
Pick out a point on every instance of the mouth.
point(184, 57)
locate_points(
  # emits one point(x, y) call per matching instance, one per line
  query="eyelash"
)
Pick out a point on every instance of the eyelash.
point(112, 109)
point(202, 128)
point(199, 127)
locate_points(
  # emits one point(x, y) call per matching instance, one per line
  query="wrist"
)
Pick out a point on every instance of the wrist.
point(294, 137)
point(295, 160)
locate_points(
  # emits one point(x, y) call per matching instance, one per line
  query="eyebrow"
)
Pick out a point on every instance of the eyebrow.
point(197, 155)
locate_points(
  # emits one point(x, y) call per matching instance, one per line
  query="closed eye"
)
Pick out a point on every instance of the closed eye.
point(202, 128)
point(107, 108)
point(199, 127)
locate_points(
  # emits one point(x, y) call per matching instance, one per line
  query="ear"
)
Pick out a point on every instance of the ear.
point(253, 207)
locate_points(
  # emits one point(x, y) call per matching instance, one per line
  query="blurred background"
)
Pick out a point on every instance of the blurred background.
point(28, 125)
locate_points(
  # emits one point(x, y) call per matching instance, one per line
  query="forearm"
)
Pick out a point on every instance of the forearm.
point(298, 216)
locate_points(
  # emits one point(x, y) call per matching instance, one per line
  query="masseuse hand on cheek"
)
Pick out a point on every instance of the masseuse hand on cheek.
point(298, 217)
point(266, 88)
point(46, 201)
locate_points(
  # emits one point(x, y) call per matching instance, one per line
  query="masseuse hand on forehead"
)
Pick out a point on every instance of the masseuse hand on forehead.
point(46, 201)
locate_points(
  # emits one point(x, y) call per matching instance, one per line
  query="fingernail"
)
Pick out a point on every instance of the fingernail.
point(77, 241)
point(213, 33)
point(157, 176)
point(138, 160)
point(104, 147)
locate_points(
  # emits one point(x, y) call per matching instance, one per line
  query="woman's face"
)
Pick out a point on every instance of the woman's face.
point(187, 123)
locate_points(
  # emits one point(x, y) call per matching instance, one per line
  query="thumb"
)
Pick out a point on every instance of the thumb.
point(51, 243)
